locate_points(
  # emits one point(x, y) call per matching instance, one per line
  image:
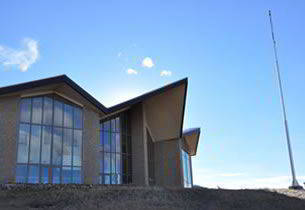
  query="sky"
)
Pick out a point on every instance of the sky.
point(117, 50)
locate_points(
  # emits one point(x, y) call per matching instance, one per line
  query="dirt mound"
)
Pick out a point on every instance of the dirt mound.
point(132, 197)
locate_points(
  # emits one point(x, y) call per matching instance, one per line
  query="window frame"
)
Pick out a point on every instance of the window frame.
point(124, 134)
point(43, 124)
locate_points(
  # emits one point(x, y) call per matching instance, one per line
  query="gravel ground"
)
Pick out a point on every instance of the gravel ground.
point(131, 197)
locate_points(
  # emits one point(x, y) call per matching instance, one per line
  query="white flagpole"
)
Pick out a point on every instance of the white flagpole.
point(295, 184)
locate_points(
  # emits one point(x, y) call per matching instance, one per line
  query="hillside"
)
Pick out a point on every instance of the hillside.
point(131, 197)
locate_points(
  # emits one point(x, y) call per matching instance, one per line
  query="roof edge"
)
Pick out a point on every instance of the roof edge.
point(145, 96)
point(53, 80)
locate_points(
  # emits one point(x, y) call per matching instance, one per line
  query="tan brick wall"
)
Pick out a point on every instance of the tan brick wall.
point(137, 138)
point(9, 117)
point(90, 144)
point(168, 164)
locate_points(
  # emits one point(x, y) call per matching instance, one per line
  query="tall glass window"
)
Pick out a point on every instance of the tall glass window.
point(115, 151)
point(50, 141)
point(187, 176)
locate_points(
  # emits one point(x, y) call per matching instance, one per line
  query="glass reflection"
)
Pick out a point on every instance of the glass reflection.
point(37, 110)
point(115, 158)
point(46, 144)
point(67, 147)
point(68, 113)
point(42, 134)
point(23, 146)
point(25, 110)
point(35, 144)
point(47, 111)
point(77, 148)
point(57, 146)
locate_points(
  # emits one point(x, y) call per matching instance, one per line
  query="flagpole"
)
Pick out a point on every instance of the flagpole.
point(295, 184)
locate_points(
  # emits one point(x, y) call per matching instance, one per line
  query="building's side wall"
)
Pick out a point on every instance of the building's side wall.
point(9, 117)
point(139, 147)
point(168, 163)
point(90, 146)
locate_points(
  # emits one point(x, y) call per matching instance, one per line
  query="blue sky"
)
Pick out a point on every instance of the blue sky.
point(223, 47)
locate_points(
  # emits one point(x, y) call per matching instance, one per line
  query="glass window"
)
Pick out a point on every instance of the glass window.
point(23, 145)
point(101, 140)
point(51, 134)
point(118, 163)
point(101, 162)
point(115, 150)
point(119, 179)
point(21, 173)
point(47, 111)
point(113, 125)
point(107, 126)
point(77, 148)
point(186, 169)
point(106, 141)
point(35, 144)
point(57, 146)
point(117, 124)
point(118, 142)
point(45, 171)
point(66, 175)
point(67, 147)
point(33, 174)
point(78, 118)
point(107, 163)
point(107, 179)
point(55, 175)
point(76, 175)
point(25, 110)
point(113, 142)
point(114, 179)
point(37, 110)
point(112, 162)
point(46, 144)
point(58, 113)
point(68, 116)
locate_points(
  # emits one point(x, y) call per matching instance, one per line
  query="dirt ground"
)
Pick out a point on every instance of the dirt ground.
point(131, 197)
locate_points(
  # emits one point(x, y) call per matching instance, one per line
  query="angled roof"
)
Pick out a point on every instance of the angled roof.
point(147, 95)
point(191, 139)
point(51, 81)
point(65, 79)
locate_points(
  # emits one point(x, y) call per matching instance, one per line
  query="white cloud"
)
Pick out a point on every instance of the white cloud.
point(147, 62)
point(131, 71)
point(22, 58)
point(120, 54)
point(165, 73)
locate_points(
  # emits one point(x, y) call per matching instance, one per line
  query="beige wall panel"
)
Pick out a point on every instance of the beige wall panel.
point(9, 118)
point(138, 154)
point(164, 114)
point(167, 163)
point(90, 146)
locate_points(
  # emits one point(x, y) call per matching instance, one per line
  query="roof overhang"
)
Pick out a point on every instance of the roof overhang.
point(53, 81)
point(163, 108)
point(190, 140)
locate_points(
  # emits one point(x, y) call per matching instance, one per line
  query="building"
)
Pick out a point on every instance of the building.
point(53, 131)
